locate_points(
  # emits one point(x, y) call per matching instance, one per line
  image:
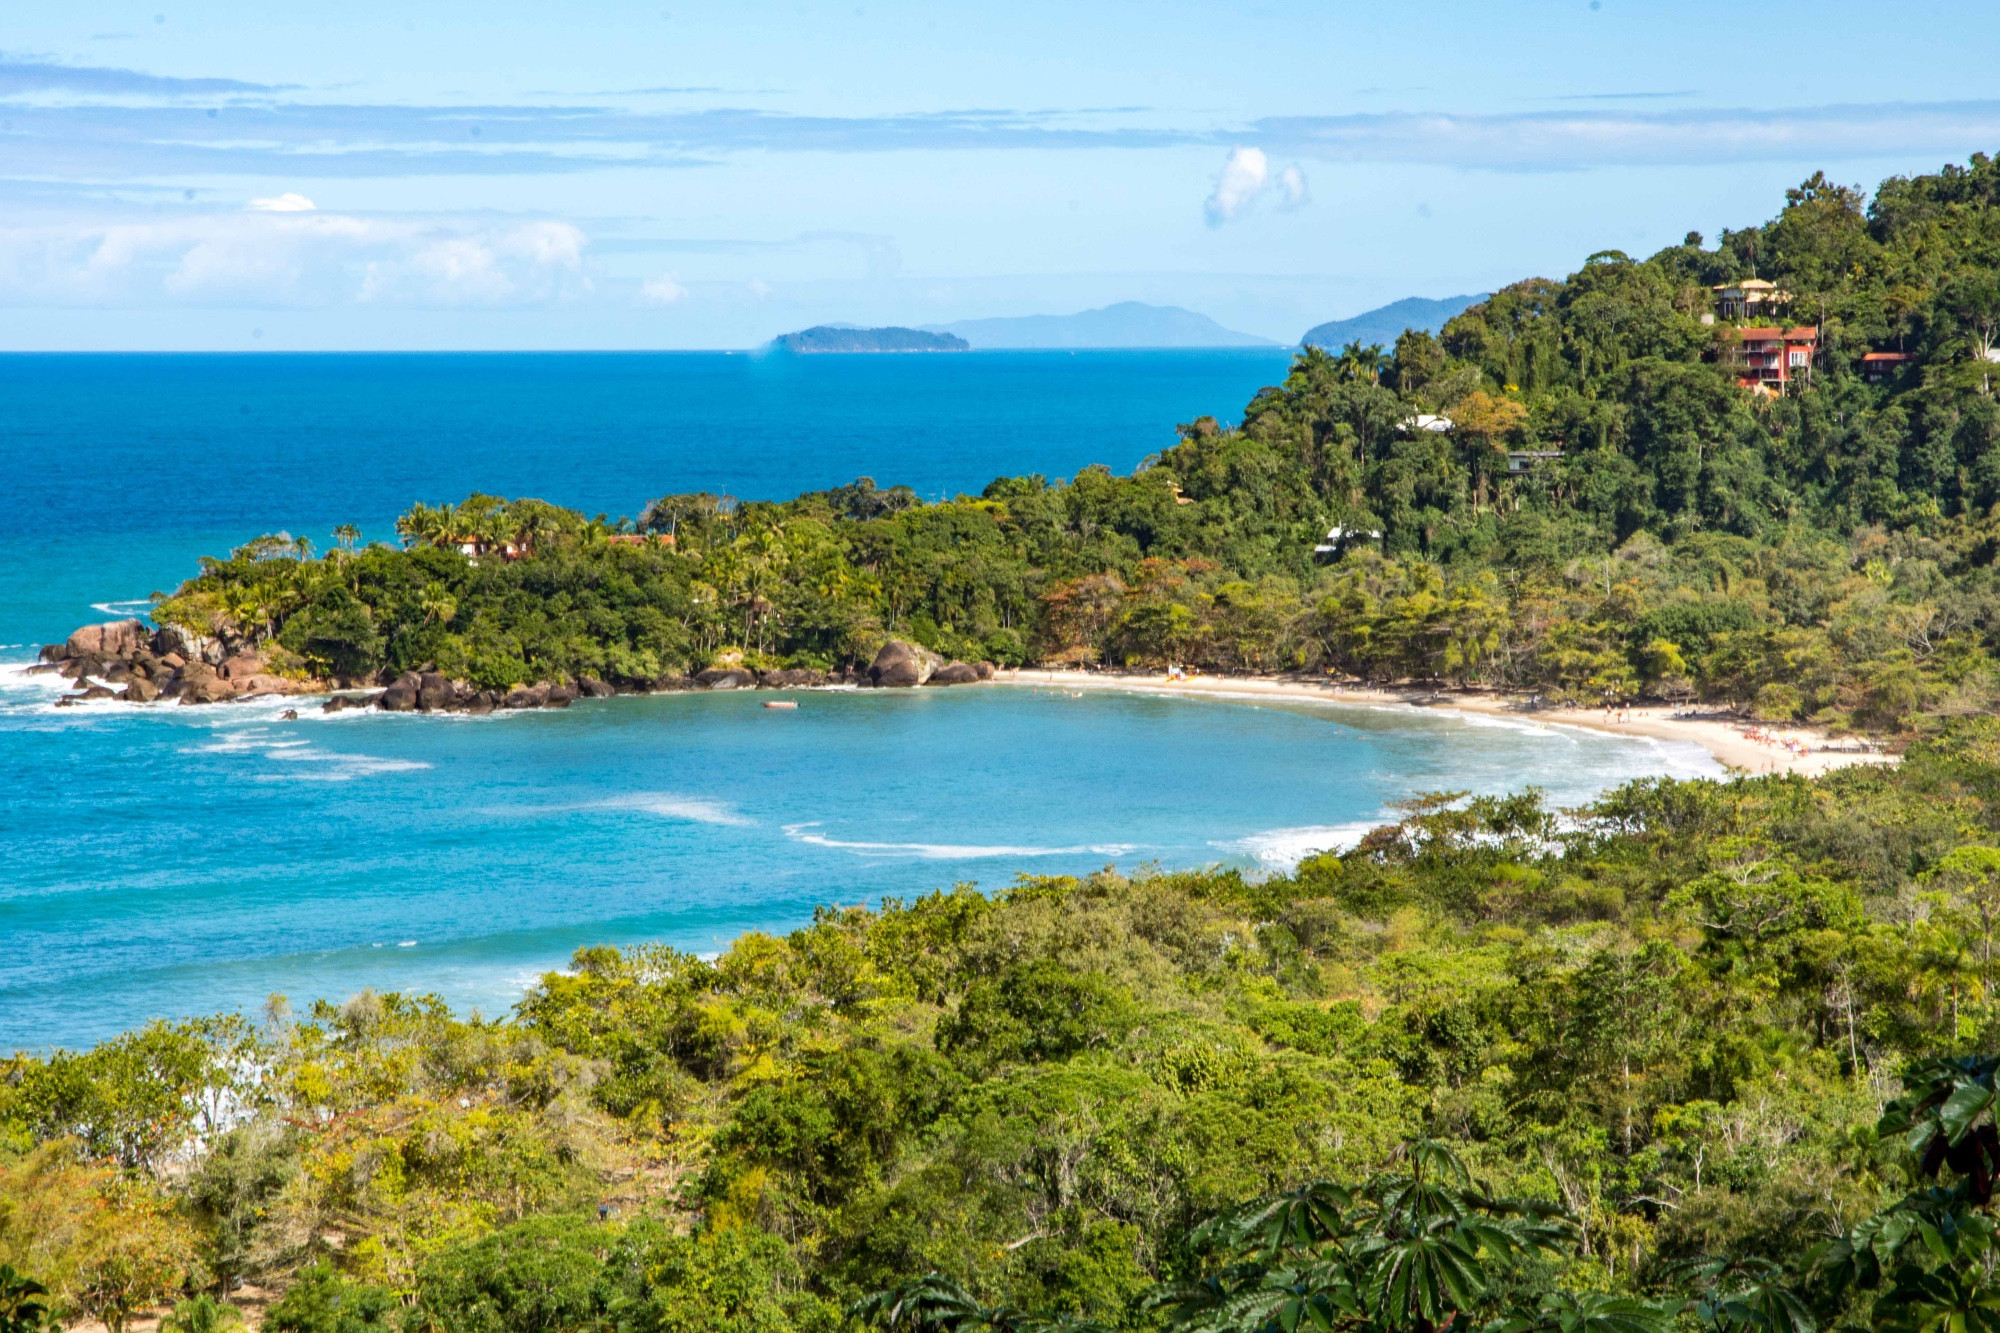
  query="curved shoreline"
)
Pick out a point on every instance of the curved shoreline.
point(1724, 737)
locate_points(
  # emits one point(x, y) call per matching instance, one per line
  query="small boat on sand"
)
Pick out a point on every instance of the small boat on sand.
point(781, 703)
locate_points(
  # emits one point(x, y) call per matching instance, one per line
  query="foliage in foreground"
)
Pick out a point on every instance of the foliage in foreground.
point(1490, 1065)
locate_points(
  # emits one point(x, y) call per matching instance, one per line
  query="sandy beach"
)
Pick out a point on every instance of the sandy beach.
point(1744, 746)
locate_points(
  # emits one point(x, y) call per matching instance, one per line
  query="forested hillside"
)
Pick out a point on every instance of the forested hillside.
point(1824, 553)
point(1702, 1054)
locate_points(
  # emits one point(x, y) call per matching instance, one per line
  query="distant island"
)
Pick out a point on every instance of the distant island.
point(1126, 324)
point(845, 338)
point(1387, 323)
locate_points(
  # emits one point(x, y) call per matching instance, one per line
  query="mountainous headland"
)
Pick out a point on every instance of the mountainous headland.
point(843, 338)
point(1385, 324)
point(1128, 324)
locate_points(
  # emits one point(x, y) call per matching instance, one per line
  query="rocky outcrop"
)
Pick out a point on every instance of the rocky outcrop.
point(902, 665)
point(792, 678)
point(140, 692)
point(726, 678)
point(592, 688)
point(960, 673)
point(116, 638)
point(526, 696)
point(342, 702)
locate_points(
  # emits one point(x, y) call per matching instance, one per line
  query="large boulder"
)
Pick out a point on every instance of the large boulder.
point(955, 673)
point(52, 652)
point(791, 678)
point(435, 693)
point(482, 703)
point(140, 691)
point(116, 638)
point(264, 683)
point(341, 702)
point(402, 694)
point(241, 666)
point(901, 665)
point(726, 678)
point(559, 696)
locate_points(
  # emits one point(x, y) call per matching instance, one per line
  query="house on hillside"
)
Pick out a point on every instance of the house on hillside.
point(1751, 298)
point(1879, 365)
point(1527, 460)
point(1768, 357)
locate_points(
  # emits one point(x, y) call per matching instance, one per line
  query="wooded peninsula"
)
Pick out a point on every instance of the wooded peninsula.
point(1714, 1055)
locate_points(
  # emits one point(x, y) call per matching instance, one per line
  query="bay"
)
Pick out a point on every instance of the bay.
point(167, 861)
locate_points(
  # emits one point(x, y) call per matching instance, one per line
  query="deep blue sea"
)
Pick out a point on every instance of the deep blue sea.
point(168, 861)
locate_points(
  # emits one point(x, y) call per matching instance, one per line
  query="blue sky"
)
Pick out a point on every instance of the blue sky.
point(501, 174)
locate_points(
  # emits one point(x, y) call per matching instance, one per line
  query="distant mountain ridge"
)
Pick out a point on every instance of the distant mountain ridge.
point(847, 338)
point(1126, 324)
point(1386, 323)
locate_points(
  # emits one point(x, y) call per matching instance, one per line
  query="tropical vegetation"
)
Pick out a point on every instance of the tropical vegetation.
point(1703, 1055)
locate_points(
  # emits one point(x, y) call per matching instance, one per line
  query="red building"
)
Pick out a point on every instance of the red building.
point(1769, 358)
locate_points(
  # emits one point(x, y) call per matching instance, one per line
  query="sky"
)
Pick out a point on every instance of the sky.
point(370, 175)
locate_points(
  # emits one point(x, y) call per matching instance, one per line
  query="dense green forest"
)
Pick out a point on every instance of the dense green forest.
point(1826, 553)
point(1703, 1054)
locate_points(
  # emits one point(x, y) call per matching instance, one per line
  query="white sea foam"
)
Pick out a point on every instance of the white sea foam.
point(694, 809)
point(133, 606)
point(947, 851)
point(1283, 848)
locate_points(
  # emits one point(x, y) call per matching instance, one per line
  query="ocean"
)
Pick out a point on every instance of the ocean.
point(169, 861)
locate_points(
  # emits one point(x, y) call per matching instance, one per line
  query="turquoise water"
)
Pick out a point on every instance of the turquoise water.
point(164, 861)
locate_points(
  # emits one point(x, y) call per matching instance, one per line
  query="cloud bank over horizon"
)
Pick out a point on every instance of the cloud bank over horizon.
point(220, 175)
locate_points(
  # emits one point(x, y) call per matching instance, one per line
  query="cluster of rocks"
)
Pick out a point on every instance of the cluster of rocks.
point(125, 660)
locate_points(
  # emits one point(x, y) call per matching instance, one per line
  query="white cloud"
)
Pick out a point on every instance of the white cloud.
point(663, 290)
point(296, 259)
point(287, 202)
point(1246, 177)
point(760, 288)
point(1243, 178)
point(1292, 185)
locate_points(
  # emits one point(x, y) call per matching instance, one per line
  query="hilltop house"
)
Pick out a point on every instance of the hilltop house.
point(1749, 298)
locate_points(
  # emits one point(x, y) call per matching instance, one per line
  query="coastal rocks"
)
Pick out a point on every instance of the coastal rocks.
point(435, 694)
point(902, 665)
point(140, 692)
point(241, 667)
point(401, 696)
point(209, 689)
point(113, 639)
point(957, 673)
point(593, 688)
point(341, 702)
point(726, 678)
point(791, 678)
point(526, 696)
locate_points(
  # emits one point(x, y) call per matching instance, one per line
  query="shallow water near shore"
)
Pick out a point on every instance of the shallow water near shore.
point(184, 860)
point(166, 861)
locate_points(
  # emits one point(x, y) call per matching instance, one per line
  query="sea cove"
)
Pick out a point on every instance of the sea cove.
point(164, 860)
